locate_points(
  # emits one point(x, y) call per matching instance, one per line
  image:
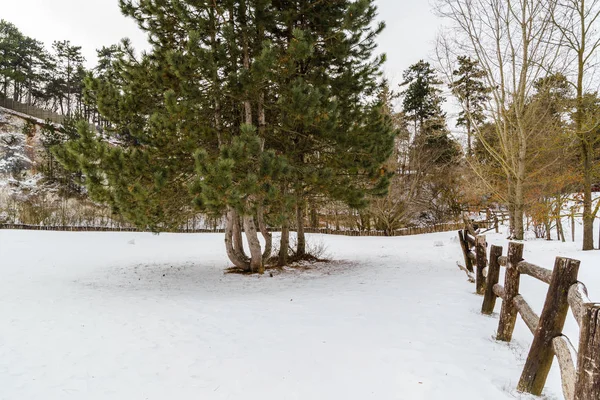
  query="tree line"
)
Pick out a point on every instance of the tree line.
point(534, 112)
point(269, 112)
point(31, 74)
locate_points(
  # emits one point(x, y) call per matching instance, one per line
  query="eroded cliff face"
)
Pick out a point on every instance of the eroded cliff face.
point(20, 145)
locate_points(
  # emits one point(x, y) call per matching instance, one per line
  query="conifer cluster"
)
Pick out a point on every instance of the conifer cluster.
point(244, 108)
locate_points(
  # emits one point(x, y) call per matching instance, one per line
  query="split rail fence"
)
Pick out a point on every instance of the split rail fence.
point(580, 370)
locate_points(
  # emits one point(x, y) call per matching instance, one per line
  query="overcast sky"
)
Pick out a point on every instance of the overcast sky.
point(411, 27)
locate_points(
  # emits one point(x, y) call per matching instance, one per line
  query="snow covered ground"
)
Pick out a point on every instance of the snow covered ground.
point(137, 316)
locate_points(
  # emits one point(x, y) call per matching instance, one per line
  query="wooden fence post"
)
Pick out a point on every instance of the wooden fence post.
point(464, 244)
point(508, 314)
point(481, 258)
point(550, 326)
point(588, 358)
point(489, 300)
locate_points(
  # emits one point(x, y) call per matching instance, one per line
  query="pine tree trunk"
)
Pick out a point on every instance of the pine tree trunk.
point(262, 119)
point(468, 121)
point(256, 260)
point(262, 226)
point(234, 256)
point(238, 241)
point(301, 242)
point(246, 63)
point(314, 217)
point(511, 220)
point(256, 255)
point(69, 87)
point(284, 243)
point(519, 228)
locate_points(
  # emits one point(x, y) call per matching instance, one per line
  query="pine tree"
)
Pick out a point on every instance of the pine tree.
point(54, 175)
point(69, 72)
point(433, 153)
point(23, 65)
point(192, 91)
point(143, 163)
point(330, 122)
point(422, 101)
point(469, 87)
point(243, 108)
point(421, 98)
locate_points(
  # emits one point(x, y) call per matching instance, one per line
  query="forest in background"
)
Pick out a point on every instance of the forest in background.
point(275, 120)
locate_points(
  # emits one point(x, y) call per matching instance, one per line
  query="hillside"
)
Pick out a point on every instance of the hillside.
point(20, 146)
point(34, 189)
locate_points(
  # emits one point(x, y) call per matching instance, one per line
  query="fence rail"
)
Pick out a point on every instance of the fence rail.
point(67, 228)
point(580, 371)
point(445, 227)
point(417, 230)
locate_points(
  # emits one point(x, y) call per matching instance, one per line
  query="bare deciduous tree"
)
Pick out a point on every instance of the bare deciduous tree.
point(513, 40)
point(577, 21)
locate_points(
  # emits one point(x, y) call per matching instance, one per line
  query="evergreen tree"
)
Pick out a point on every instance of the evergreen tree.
point(191, 91)
point(23, 65)
point(330, 121)
point(422, 99)
point(433, 153)
point(143, 162)
point(469, 87)
point(107, 57)
point(67, 183)
point(236, 100)
point(67, 83)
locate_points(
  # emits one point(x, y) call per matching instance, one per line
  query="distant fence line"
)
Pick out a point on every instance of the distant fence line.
point(33, 111)
point(444, 227)
point(36, 112)
point(65, 228)
point(409, 231)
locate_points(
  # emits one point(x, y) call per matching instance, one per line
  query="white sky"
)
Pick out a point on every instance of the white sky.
point(411, 27)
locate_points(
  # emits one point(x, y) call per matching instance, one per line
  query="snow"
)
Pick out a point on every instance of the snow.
point(17, 151)
point(140, 316)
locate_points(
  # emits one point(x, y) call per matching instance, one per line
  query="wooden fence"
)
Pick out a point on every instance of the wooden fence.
point(41, 114)
point(416, 230)
point(66, 228)
point(494, 218)
point(33, 111)
point(445, 227)
point(580, 371)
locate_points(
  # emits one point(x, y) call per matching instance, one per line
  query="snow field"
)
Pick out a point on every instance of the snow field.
point(139, 316)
